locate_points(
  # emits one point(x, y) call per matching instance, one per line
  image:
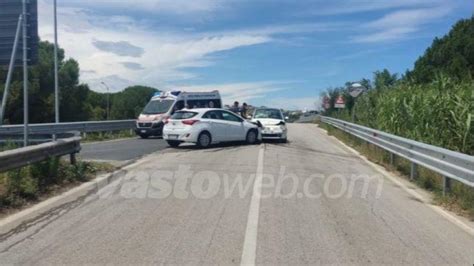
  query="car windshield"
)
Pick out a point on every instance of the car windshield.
point(158, 107)
point(268, 113)
point(183, 115)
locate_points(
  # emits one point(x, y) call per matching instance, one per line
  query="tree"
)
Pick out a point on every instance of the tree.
point(452, 56)
point(77, 101)
point(129, 103)
point(366, 83)
point(384, 79)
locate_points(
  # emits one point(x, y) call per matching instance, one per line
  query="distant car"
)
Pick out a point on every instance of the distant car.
point(208, 126)
point(273, 122)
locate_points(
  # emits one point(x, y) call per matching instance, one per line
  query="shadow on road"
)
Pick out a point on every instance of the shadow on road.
point(224, 146)
point(151, 138)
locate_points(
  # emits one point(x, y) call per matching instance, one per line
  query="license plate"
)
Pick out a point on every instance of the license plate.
point(173, 136)
point(143, 131)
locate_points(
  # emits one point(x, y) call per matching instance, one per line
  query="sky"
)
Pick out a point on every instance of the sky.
point(280, 53)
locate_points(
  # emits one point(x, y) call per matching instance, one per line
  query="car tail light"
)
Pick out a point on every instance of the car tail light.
point(189, 122)
point(166, 120)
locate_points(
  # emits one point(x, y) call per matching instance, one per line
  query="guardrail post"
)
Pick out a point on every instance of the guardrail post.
point(72, 158)
point(446, 185)
point(392, 158)
point(413, 171)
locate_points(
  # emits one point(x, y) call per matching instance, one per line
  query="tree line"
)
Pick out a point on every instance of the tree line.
point(77, 101)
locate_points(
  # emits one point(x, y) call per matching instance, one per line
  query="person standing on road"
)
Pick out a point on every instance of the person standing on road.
point(235, 108)
point(244, 110)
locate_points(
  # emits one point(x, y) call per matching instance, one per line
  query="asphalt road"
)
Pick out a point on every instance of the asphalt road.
point(121, 150)
point(178, 206)
point(307, 119)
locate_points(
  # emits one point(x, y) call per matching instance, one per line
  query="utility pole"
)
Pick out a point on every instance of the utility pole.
point(56, 79)
point(108, 101)
point(25, 75)
point(10, 69)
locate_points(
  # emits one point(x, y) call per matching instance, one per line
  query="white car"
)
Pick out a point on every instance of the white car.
point(273, 123)
point(208, 126)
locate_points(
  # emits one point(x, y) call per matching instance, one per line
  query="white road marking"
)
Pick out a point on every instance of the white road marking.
point(250, 243)
point(450, 217)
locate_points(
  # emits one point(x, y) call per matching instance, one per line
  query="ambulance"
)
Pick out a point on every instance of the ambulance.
point(163, 104)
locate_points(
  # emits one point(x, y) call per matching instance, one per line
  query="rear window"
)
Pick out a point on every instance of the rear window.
point(183, 115)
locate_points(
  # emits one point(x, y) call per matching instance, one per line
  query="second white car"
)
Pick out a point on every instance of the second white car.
point(273, 122)
point(208, 126)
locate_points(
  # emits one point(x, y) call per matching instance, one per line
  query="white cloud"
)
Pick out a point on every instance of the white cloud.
point(243, 91)
point(303, 103)
point(259, 94)
point(164, 53)
point(101, 47)
point(178, 7)
point(397, 34)
point(409, 17)
point(344, 7)
point(399, 25)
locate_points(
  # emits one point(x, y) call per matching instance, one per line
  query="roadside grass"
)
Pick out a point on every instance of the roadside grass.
point(36, 182)
point(8, 146)
point(461, 197)
point(102, 136)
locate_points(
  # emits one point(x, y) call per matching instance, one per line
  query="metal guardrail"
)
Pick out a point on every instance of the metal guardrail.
point(12, 159)
point(83, 127)
point(450, 164)
point(34, 138)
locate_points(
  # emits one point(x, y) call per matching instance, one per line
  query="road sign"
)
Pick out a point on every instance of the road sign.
point(326, 103)
point(356, 89)
point(10, 11)
point(356, 92)
point(340, 102)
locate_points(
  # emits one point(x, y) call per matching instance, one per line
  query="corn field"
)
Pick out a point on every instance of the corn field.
point(440, 113)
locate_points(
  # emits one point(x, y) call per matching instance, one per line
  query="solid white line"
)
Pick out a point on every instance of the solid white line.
point(250, 243)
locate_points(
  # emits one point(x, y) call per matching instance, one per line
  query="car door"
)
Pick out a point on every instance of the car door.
point(235, 129)
point(217, 126)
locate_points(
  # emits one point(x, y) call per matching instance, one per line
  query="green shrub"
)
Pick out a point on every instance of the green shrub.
point(46, 171)
point(20, 184)
point(78, 172)
point(17, 187)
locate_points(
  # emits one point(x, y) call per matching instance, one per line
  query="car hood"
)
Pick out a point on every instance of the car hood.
point(268, 121)
point(149, 118)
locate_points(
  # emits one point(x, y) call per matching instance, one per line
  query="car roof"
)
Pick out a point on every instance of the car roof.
point(201, 110)
point(267, 108)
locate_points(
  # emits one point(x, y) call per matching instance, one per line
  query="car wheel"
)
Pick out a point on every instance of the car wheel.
point(285, 140)
point(173, 144)
point(204, 140)
point(143, 136)
point(252, 137)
